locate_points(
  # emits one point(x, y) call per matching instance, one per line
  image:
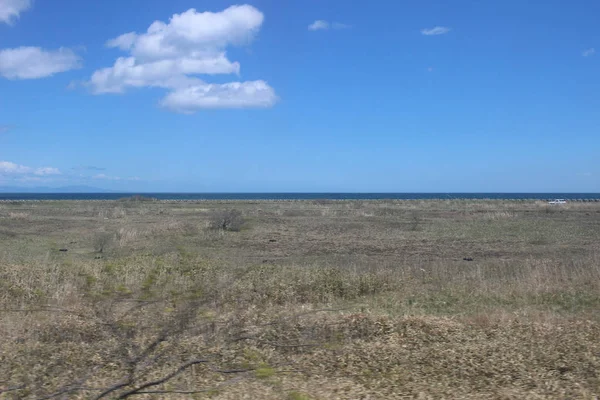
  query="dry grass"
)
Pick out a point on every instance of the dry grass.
point(310, 300)
point(18, 215)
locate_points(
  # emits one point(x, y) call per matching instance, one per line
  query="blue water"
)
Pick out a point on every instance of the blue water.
point(297, 196)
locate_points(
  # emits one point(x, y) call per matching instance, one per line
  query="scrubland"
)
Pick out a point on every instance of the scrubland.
point(299, 300)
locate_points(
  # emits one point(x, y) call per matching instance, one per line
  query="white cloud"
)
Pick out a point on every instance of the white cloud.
point(167, 73)
point(255, 94)
point(123, 42)
point(10, 168)
point(11, 9)
point(34, 62)
point(171, 55)
point(588, 52)
point(7, 167)
point(192, 30)
point(46, 171)
point(438, 30)
point(320, 25)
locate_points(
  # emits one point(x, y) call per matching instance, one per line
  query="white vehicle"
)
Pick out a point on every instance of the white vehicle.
point(558, 201)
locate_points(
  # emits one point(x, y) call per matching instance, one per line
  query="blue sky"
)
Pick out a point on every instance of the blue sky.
point(301, 95)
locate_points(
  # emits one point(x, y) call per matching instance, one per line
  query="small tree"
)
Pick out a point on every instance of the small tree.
point(227, 220)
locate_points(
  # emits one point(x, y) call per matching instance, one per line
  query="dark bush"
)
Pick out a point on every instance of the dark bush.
point(227, 220)
point(102, 240)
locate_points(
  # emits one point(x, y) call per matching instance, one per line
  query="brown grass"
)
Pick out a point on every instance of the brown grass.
point(310, 300)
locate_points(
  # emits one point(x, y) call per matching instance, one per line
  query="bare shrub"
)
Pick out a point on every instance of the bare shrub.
point(118, 212)
point(415, 223)
point(227, 220)
point(102, 240)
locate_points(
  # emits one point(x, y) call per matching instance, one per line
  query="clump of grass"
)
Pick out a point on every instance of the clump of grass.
point(498, 215)
point(295, 395)
point(127, 234)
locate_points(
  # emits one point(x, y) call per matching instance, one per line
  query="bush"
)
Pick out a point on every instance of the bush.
point(227, 220)
point(102, 240)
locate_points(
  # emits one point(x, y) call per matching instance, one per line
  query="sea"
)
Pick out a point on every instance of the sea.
point(301, 196)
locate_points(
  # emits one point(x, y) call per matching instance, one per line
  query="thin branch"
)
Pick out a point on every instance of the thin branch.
point(226, 383)
point(231, 371)
point(140, 304)
point(75, 387)
point(151, 347)
point(113, 388)
point(172, 392)
point(162, 380)
point(43, 309)
point(70, 390)
point(291, 345)
point(12, 389)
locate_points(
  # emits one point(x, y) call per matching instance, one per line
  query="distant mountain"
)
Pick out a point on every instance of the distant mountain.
point(45, 189)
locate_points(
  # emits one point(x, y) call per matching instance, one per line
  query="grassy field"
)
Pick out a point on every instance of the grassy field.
point(303, 300)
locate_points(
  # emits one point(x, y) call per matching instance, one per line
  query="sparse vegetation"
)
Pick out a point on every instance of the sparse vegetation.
point(137, 198)
point(365, 300)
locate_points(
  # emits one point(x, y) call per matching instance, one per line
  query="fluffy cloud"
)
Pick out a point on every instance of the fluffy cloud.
point(588, 52)
point(229, 95)
point(11, 9)
point(7, 167)
point(438, 30)
point(167, 73)
point(321, 25)
point(171, 55)
point(10, 168)
point(34, 62)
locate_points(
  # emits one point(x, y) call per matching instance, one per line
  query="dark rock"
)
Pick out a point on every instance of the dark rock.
point(468, 259)
point(63, 250)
